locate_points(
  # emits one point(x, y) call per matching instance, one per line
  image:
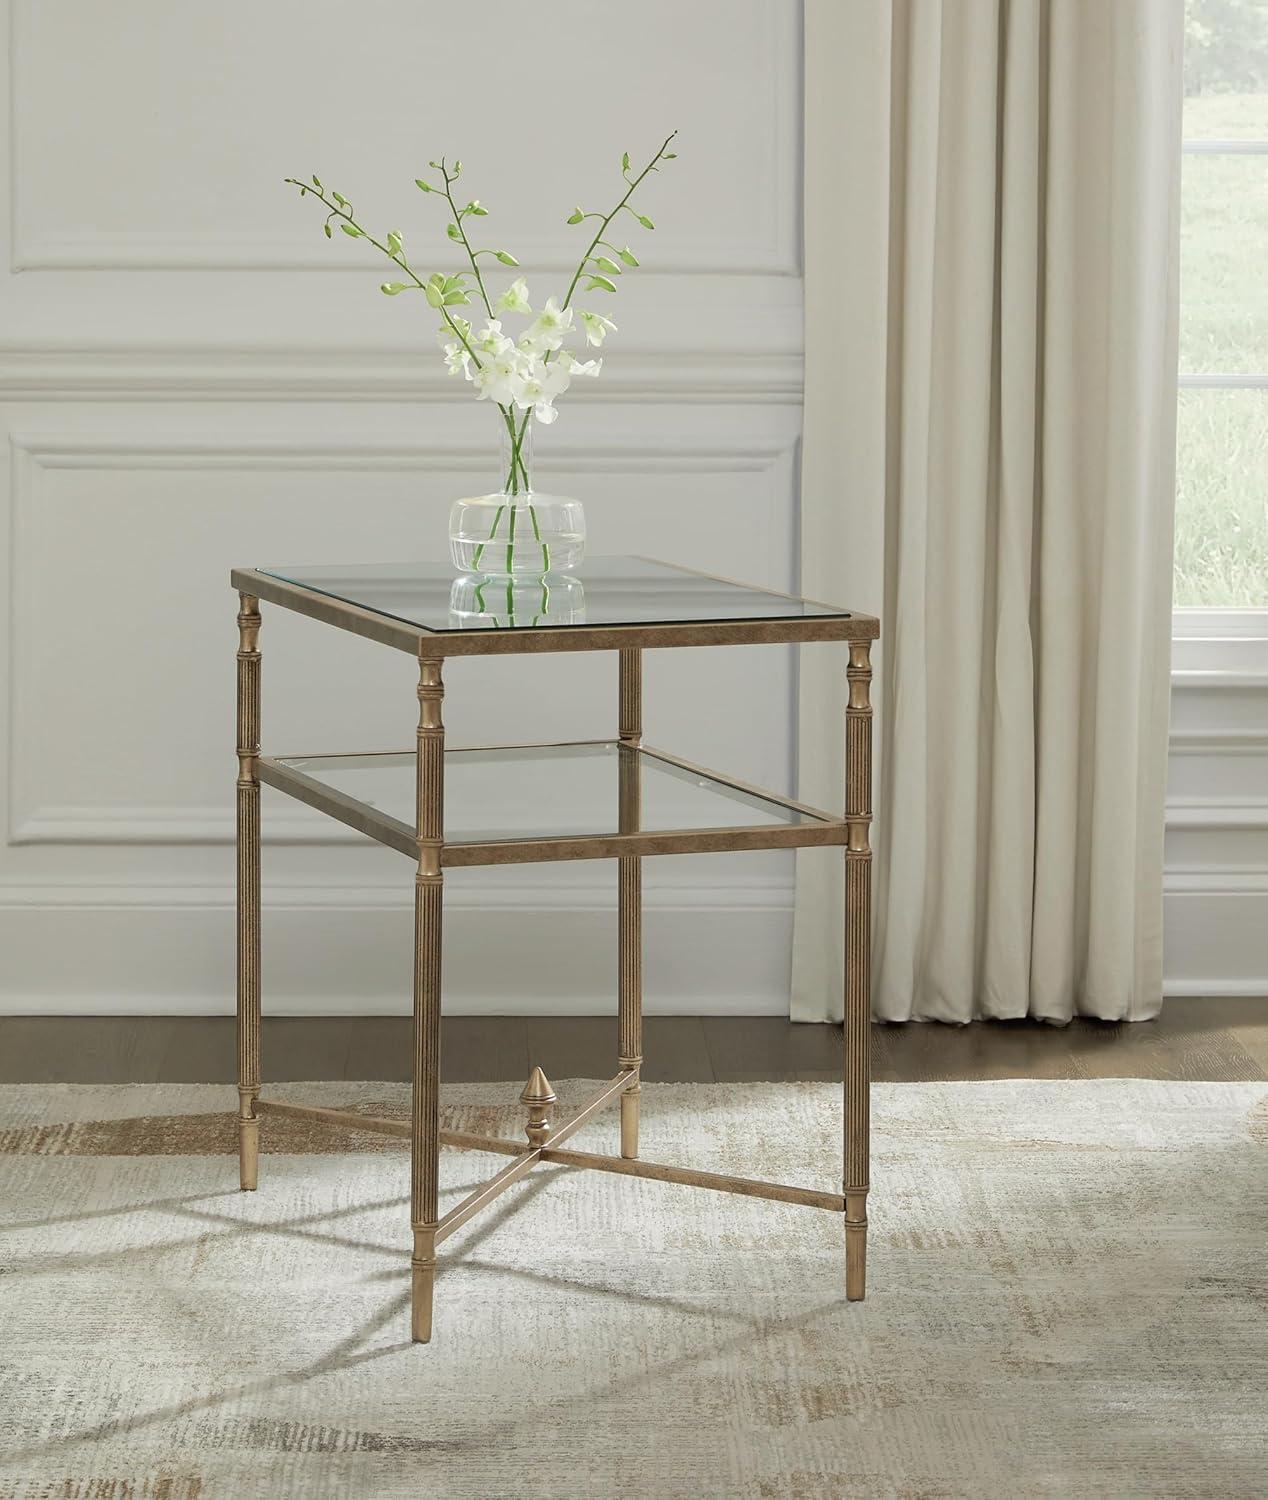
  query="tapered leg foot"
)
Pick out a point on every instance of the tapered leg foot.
point(248, 1144)
point(422, 1285)
point(629, 1122)
point(855, 1246)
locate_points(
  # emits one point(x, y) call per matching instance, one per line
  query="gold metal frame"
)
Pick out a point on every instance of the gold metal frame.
point(426, 844)
point(629, 842)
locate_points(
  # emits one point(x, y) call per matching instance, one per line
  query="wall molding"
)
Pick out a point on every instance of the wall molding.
point(198, 451)
point(174, 250)
point(1217, 880)
point(119, 823)
point(370, 375)
point(1216, 988)
point(1213, 679)
point(487, 894)
point(1219, 742)
point(1218, 814)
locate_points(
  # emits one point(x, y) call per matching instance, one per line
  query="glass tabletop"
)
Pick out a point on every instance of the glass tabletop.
point(551, 791)
point(605, 591)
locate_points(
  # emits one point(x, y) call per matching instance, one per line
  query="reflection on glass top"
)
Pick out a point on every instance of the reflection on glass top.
point(604, 591)
point(549, 791)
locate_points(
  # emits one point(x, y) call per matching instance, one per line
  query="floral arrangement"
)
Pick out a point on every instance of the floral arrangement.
point(522, 376)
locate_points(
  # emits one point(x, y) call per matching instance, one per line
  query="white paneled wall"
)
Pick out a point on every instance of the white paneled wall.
point(191, 376)
point(1217, 806)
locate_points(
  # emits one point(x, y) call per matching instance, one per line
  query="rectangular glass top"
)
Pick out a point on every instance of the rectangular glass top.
point(552, 791)
point(605, 591)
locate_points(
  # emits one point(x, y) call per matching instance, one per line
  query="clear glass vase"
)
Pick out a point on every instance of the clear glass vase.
point(516, 600)
point(516, 530)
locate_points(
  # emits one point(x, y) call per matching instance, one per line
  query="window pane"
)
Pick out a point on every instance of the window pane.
point(1222, 498)
point(1226, 117)
point(1223, 255)
point(1225, 68)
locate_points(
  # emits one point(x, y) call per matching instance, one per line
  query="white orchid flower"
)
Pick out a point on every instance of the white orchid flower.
point(490, 341)
point(541, 384)
point(548, 329)
point(576, 366)
point(500, 379)
point(597, 327)
point(458, 360)
point(515, 297)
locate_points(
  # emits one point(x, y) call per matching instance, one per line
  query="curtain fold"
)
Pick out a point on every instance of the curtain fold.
point(991, 252)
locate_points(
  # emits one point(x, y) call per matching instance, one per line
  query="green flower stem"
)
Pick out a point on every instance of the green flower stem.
point(493, 531)
point(532, 516)
point(397, 258)
point(518, 470)
point(603, 229)
point(466, 243)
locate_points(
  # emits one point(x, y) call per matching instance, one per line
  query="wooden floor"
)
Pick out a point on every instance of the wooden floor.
point(1193, 1039)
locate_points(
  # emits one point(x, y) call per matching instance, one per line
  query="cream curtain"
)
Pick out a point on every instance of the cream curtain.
point(991, 273)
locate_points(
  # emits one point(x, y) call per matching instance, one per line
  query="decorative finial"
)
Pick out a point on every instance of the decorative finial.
point(540, 1099)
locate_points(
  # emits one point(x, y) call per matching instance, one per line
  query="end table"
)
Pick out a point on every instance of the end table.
point(656, 803)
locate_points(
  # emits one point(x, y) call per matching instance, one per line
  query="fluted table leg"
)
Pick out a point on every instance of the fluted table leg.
point(630, 898)
point(858, 948)
point(428, 912)
point(248, 840)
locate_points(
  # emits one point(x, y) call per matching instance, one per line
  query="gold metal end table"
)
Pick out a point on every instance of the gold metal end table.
point(626, 605)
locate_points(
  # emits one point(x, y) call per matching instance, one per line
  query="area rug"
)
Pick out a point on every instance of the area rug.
point(1067, 1298)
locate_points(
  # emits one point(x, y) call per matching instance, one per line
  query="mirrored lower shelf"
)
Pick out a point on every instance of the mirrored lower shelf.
point(517, 804)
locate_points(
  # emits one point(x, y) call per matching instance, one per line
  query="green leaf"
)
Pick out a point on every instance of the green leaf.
point(506, 258)
point(351, 229)
point(317, 183)
point(425, 186)
point(454, 232)
point(394, 242)
point(600, 283)
point(604, 264)
point(326, 227)
point(433, 295)
point(645, 221)
point(390, 288)
point(628, 256)
point(625, 162)
point(576, 216)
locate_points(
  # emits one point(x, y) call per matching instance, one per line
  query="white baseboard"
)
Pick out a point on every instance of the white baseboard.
point(1216, 988)
point(134, 951)
point(1216, 933)
point(332, 951)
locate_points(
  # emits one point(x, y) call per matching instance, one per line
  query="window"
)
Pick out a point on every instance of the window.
point(1221, 560)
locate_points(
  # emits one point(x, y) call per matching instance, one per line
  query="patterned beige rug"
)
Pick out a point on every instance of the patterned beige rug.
point(1068, 1299)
